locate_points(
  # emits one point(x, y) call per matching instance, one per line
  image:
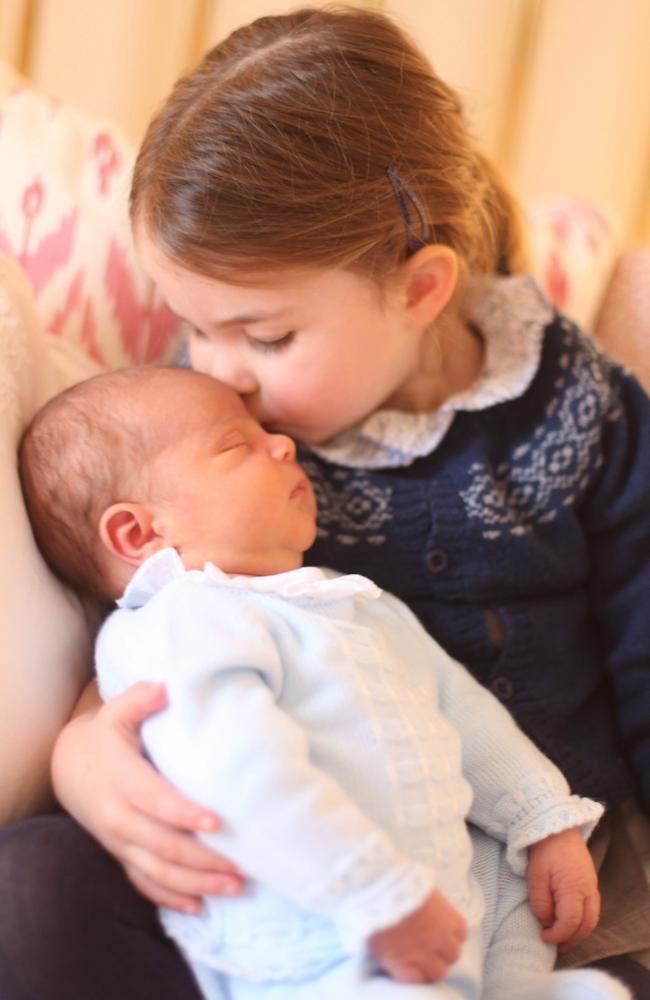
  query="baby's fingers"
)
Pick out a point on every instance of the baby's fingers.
point(569, 916)
point(408, 970)
point(541, 900)
point(590, 917)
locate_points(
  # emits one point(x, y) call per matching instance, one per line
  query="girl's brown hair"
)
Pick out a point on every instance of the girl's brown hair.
point(279, 148)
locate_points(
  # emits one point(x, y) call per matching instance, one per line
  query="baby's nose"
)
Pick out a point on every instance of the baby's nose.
point(282, 447)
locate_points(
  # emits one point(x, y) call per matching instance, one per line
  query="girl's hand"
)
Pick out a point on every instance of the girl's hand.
point(563, 888)
point(102, 778)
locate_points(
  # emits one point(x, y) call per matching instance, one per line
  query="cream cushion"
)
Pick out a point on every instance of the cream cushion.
point(44, 652)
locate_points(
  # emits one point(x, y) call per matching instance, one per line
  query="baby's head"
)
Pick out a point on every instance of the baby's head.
point(130, 462)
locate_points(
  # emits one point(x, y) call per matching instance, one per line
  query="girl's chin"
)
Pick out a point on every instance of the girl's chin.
point(307, 435)
point(303, 435)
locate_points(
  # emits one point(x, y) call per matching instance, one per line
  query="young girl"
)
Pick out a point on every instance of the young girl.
point(310, 201)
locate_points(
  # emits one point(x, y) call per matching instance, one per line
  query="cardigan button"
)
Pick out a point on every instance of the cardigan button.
point(503, 688)
point(437, 560)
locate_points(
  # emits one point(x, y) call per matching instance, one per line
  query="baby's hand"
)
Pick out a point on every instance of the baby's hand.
point(563, 888)
point(422, 946)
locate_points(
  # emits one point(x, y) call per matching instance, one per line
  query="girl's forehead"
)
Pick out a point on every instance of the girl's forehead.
point(163, 268)
point(187, 292)
point(246, 296)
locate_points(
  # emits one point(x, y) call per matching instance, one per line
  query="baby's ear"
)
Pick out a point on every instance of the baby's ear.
point(429, 280)
point(127, 531)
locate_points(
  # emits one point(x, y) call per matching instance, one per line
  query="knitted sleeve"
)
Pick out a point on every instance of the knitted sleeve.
point(520, 796)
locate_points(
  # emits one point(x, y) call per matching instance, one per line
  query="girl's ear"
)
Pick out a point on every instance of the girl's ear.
point(127, 530)
point(429, 279)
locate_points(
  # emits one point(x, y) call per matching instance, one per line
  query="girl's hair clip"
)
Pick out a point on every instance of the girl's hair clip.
point(402, 191)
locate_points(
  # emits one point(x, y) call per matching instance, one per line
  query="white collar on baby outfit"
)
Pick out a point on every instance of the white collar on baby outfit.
point(510, 313)
point(166, 566)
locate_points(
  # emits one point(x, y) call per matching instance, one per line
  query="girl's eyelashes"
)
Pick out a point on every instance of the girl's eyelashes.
point(263, 346)
point(269, 346)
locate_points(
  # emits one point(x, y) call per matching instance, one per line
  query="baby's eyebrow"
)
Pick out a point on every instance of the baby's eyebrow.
point(213, 436)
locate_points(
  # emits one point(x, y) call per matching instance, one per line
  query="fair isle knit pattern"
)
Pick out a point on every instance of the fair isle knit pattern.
point(555, 467)
point(531, 511)
point(351, 508)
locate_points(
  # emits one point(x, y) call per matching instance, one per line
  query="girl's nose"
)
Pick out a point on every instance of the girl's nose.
point(281, 447)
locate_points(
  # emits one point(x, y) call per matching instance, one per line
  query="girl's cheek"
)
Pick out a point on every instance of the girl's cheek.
point(201, 356)
point(290, 396)
point(193, 355)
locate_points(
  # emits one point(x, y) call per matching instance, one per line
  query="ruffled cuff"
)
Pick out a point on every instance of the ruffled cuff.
point(535, 813)
point(370, 890)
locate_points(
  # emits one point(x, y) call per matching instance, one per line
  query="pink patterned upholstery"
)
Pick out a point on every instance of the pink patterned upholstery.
point(573, 247)
point(64, 182)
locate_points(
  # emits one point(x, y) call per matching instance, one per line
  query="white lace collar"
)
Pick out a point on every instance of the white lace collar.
point(165, 566)
point(511, 314)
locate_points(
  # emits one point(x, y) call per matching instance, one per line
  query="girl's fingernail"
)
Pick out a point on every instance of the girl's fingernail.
point(191, 908)
point(208, 823)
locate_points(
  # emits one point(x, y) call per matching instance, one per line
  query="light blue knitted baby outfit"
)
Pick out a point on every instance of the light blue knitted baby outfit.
point(344, 751)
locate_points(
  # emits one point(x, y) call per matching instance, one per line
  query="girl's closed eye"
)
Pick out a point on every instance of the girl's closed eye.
point(269, 346)
point(198, 334)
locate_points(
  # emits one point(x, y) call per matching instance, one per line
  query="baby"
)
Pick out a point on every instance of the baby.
point(342, 747)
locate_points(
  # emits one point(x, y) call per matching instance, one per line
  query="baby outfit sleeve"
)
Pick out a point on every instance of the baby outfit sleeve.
point(225, 742)
point(520, 796)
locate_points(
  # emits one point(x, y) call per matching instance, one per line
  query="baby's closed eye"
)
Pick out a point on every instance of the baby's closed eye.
point(231, 443)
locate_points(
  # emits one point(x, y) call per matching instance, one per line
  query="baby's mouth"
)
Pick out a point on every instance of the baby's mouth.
point(300, 489)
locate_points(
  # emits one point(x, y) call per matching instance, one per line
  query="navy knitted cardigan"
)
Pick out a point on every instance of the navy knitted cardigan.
point(532, 515)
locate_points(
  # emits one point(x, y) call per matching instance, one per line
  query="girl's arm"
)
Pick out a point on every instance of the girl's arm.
point(102, 778)
point(616, 519)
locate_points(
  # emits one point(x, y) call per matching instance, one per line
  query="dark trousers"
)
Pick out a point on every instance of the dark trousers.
point(71, 925)
point(73, 928)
